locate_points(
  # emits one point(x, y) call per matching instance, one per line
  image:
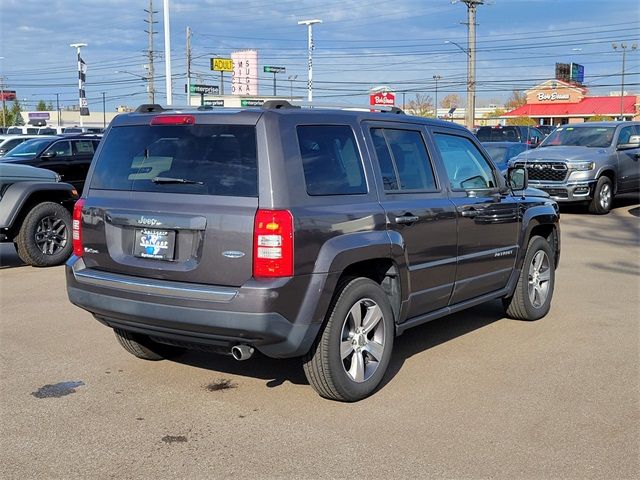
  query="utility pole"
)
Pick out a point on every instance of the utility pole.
point(151, 89)
point(291, 79)
point(104, 111)
point(58, 107)
point(436, 78)
point(309, 24)
point(167, 53)
point(623, 47)
point(470, 111)
point(189, 67)
point(4, 119)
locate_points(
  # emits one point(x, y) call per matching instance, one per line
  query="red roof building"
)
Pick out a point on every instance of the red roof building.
point(556, 102)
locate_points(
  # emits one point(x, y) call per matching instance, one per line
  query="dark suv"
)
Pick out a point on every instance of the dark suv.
point(511, 133)
point(308, 233)
point(68, 156)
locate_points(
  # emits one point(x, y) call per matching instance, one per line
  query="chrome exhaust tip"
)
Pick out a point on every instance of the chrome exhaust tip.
point(242, 352)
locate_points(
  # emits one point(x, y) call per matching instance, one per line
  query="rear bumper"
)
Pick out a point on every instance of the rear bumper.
point(257, 314)
point(567, 192)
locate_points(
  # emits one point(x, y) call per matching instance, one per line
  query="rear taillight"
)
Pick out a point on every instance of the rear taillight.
point(77, 228)
point(273, 244)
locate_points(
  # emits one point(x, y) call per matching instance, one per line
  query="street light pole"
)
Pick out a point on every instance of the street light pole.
point(623, 47)
point(291, 79)
point(436, 78)
point(104, 111)
point(58, 107)
point(309, 24)
point(81, 97)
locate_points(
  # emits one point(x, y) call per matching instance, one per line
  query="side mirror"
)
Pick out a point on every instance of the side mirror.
point(634, 142)
point(48, 154)
point(517, 178)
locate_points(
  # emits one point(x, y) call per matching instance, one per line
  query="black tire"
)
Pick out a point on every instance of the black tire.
point(324, 365)
point(44, 238)
point(521, 305)
point(602, 197)
point(143, 347)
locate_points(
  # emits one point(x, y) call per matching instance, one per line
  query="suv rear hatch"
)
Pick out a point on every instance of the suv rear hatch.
point(174, 199)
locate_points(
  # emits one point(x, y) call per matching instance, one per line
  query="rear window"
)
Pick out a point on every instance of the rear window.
point(196, 159)
point(332, 164)
point(500, 134)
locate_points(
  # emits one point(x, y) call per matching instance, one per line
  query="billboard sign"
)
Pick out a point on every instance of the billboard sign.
point(222, 64)
point(382, 98)
point(577, 73)
point(39, 115)
point(7, 95)
point(244, 80)
point(563, 72)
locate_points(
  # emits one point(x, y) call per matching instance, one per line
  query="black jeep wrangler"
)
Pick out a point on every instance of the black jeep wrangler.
point(313, 233)
point(35, 214)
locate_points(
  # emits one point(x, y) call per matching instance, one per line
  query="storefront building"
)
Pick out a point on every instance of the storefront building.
point(555, 102)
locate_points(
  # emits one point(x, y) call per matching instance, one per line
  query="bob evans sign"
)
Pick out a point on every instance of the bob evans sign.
point(382, 98)
point(553, 96)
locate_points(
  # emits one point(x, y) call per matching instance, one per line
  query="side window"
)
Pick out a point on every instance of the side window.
point(82, 148)
point(62, 149)
point(466, 168)
point(625, 134)
point(403, 158)
point(331, 162)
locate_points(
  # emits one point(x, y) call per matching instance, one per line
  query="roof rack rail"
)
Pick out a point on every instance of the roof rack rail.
point(149, 108)
point(278, 104)
point(284, 104)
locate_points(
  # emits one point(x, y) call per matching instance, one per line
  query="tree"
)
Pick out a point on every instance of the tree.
point(498, 112)
point(421, 106)
point(41, 106)
point(50, 106)
point(517, 99)
point(450, 101)
point(525, 121)
point(599, 118)
point(12, 115)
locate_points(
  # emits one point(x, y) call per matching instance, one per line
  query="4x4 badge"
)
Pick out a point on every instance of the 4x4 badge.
point(233, 254)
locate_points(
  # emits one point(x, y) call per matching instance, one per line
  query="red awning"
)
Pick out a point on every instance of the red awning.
point(609, 106)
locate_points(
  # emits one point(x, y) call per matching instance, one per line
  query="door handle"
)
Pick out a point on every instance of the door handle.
point(407, 219)
point(468, 212)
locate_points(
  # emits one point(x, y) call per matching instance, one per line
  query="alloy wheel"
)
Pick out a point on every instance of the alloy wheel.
point(51, 235)
point(539, 279)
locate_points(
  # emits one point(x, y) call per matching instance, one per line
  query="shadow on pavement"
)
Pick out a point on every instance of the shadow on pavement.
point(9, 257)
point(412, 342)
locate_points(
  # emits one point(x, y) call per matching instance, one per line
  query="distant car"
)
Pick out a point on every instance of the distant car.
point(510, 133)
point(23, 130)
point(586, 162)
point(68, 130)
point(546, 129)
point(502, 152)
point(35, 214)
point(68, 156)
point(8, 142)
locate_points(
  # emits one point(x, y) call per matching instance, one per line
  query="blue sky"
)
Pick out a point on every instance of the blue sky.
point(360, 44)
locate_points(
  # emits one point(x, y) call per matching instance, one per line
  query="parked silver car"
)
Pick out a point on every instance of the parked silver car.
point(589, 162)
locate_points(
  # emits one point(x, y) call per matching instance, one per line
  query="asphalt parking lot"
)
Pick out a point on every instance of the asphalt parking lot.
point(473, 395)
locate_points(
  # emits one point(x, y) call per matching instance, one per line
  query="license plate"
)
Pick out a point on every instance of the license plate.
point(156, 244)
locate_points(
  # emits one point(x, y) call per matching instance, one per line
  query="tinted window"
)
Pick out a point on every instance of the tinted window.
point(82, 148)
point(332, 164)
point(466, 168)
point(30, 148)
point(498, 153)
point(61, 149)
point(32, 131)
point(403, 159)
point(14, 130)
point(197, 159)
point(498, 134)
point(625, 134)
point(583, 136)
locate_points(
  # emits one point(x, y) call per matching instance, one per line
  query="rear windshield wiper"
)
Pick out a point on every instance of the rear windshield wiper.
point(174, 180)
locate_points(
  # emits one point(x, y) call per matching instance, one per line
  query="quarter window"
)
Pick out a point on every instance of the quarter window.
point(403, 159)
point(331, 162)
point(466, 168)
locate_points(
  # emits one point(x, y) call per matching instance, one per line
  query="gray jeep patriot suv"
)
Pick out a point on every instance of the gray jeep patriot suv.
point(313, 233)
